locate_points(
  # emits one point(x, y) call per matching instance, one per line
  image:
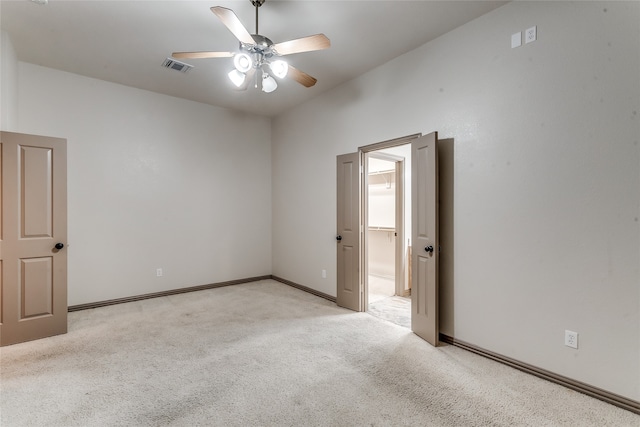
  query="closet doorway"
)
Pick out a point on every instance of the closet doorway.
point(352, 220)
point(386, 244)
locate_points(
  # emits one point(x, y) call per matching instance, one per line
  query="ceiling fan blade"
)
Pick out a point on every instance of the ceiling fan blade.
point(200, 55)
point(301, 77)
point(231, 21)
point(305, 44)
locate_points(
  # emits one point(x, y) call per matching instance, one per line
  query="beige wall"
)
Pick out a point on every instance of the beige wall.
point(381, 253)
point(545, 178)
point(8, 84)
point(153, 182)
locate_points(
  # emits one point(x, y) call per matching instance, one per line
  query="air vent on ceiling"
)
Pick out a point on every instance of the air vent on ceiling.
point(176, 65)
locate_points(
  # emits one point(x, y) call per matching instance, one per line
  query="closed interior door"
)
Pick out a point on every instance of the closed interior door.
point(425, 244)
point(348, 238)
point(33, 260)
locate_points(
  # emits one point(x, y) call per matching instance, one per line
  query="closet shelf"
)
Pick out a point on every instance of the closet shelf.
point(384, 172)
point(374, 228)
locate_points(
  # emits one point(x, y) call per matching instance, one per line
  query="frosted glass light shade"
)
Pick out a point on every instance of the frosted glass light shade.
point(268, 83)
point(279, 68)
point(242, 62)
point(237, 78)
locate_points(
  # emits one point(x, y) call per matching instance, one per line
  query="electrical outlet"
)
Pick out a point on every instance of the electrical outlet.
point(530, 35)
point(324, 274)
point(158, 272)
point(571, 339)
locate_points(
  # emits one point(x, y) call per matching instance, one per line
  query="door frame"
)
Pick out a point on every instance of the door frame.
point(399, 223)
point(364, 152)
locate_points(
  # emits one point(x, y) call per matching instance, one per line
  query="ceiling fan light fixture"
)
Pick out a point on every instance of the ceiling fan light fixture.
point(236, 77)
point(268, 83)
point(279, 68)
point(242, 62)
point(252, 60)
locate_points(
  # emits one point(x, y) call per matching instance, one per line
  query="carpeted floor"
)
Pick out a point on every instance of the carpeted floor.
point(393, 309)
point(265, 354)
point(384, 304)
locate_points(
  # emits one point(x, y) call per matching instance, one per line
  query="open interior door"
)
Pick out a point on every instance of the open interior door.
point(424, 240)
point(33, 235)
point(348, 238)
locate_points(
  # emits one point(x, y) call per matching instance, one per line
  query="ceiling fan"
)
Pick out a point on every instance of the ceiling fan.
point(258, 55)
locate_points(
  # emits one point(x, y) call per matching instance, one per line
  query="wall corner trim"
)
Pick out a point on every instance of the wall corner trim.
point(304, 288)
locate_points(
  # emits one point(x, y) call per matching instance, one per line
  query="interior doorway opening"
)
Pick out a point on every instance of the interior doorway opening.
point(387, 217)
point(352, 221)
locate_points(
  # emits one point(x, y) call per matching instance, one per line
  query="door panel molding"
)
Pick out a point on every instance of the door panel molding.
point(36, 285)
point(36, 186)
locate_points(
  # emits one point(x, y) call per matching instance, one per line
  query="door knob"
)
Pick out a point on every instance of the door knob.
point(338, 238)
point(429, 249)
point(59, 246)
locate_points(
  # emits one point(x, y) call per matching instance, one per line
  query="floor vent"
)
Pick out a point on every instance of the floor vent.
point(172, 64)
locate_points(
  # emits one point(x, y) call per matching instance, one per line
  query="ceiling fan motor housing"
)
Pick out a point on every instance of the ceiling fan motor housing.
point(261, 50)
point(262, 44)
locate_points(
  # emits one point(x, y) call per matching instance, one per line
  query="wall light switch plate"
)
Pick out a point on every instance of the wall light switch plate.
point(531, 34)
point(516, 40)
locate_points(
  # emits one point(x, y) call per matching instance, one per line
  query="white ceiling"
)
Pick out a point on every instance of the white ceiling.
point(126, 41)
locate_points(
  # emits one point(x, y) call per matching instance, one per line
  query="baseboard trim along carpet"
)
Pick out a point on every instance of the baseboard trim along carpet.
point(165, 293)
point(304, 288)
point(595, 392)
point(197, 288)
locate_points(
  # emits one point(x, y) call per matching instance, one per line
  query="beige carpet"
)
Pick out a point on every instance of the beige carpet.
point(392, 309)
point(265, 354)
